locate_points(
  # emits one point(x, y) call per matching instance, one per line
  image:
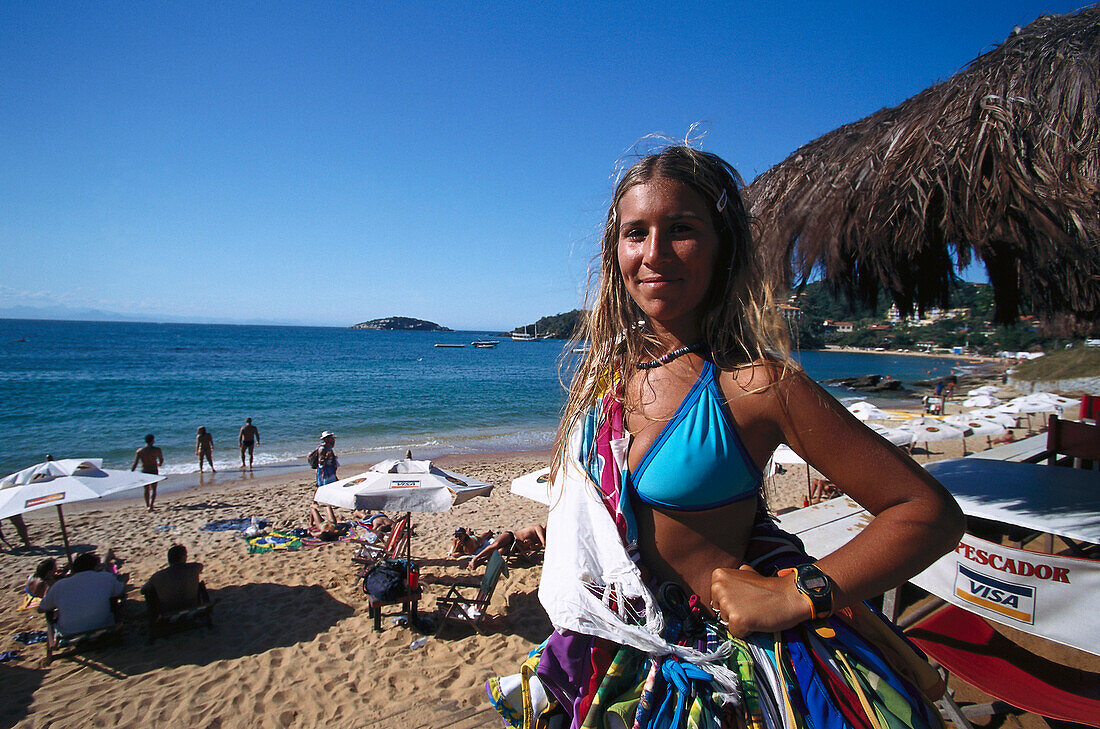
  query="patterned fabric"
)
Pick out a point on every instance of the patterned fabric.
point(273, 541)
point(829, 675)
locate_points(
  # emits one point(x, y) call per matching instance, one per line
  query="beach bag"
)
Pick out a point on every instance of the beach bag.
point(388, 580)
point(314, 458)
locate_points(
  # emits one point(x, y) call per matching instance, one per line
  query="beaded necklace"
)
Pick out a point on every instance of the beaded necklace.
point(666, 358)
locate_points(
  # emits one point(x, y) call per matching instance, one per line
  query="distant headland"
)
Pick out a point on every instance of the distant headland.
point(401, 324)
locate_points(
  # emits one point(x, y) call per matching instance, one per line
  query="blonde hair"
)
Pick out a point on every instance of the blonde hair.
point(741, 324)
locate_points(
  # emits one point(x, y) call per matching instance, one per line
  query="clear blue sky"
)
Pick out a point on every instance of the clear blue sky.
point(334, 162)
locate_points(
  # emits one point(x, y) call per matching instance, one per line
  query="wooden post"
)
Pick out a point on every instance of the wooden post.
point(65, 536)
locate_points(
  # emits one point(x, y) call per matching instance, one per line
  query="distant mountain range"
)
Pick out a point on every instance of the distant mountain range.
point(60, 312)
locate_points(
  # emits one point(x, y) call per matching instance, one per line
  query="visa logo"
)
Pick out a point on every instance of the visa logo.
point(1005, 598)
point(404, 484)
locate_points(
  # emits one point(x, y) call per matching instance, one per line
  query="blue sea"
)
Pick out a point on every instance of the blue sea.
point(94, 389)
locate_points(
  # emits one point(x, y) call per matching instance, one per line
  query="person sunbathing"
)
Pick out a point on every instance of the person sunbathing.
point(527, 543)
point(327, 530)
point(376, 521)
point(465, 543)
point(822, 489)
point(45, 574)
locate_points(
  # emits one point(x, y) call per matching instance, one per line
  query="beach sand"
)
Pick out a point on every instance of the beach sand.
point(293, 644)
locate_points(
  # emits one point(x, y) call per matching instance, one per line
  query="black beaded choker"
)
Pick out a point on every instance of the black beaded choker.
point(666, 358)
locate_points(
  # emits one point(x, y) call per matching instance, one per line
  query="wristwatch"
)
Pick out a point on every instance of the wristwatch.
point(815, 586)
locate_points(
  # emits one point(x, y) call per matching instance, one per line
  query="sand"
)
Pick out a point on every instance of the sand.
point(293, 644)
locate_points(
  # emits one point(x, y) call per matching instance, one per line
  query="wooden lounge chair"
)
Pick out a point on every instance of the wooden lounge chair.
point(456, 606)
point(75, 642)
point(965, 644)
point(164, 623)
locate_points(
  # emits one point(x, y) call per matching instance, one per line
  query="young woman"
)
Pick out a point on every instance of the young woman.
point(660, 554)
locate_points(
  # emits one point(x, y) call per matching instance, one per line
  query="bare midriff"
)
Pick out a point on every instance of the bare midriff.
point(687, 546)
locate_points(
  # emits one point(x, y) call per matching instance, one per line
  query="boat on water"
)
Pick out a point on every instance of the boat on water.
point(485, 343)
point(582, 349)
point(452, 346)
point(526, 336)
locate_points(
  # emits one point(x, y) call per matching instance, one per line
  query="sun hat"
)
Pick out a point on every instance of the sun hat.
point(327, 433)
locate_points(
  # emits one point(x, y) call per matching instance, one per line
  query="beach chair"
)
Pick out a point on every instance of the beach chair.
point(966, 645)
point(165, 623)
point(84, 640)
point(398, 541)
point(407, 597)
point(457, 606)
point(1077, 443)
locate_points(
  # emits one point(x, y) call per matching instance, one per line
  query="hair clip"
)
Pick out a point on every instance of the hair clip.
point(722, 200)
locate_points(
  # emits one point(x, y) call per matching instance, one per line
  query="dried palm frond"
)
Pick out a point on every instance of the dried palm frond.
point(999, 163)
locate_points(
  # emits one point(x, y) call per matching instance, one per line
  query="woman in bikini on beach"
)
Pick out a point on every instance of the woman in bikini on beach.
point(686, 390)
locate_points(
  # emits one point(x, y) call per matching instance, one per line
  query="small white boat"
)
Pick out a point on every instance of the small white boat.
point(582, 349)
point(485, 343)
point(452, 346)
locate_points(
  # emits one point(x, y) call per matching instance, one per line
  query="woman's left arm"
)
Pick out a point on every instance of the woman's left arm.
point(915, 519)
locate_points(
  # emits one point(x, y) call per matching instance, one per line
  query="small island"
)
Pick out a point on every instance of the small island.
point(401, 324)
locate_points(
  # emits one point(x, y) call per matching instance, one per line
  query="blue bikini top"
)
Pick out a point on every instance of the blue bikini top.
point(697, 461)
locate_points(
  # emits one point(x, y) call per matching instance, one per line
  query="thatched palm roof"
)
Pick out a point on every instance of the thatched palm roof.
point(1000, 163)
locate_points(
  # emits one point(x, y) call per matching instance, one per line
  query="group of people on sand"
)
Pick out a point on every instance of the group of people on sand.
point(150, 457)
point(86, 595)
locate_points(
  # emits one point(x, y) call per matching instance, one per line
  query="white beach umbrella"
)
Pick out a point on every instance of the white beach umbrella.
point(53, 483)
point(1030, 404)
point(534, 486)
point(897, 436)
point(867, 411)
point(402, 485)
point(983, 390)
point(1008, 420)
point(1061, 403)
point(981, 401)
point(927, 430)
point(976, 426)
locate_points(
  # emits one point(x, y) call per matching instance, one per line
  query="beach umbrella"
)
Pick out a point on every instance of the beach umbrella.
point(402, 485)
point(927, 430)
point(1059, 402)
point(998, 164)
point(866, 411)
point(1006, 419)
point(897, 436)
point(981, 401)
point(984, 390)
point(976, 426)
point(53, 483)
point(534, 486)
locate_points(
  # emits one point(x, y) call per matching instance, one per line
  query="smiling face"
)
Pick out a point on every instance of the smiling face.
point(667, 248)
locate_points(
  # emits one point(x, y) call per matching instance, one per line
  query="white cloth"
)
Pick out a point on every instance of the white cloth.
point(589, 583)
point(82, 601)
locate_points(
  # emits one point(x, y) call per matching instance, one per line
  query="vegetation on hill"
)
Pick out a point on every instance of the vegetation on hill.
point(1065, 364)
point(560, 326)
point(401, 324)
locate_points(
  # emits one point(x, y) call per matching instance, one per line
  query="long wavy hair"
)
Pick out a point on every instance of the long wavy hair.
point(741, 324)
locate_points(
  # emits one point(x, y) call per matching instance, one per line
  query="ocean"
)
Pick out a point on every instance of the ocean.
point(94, 389)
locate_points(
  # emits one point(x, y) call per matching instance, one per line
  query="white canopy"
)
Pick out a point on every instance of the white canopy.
point(983, 390)
point(926, 430)
point(53, 483)
point(403, 485)
point(867, 411)
point(897, 436)
point(993, 416)
point(981, 401)
point(976, 426)
point(534, 486)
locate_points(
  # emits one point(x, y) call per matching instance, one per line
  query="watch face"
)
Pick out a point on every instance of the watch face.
point(816, 584)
